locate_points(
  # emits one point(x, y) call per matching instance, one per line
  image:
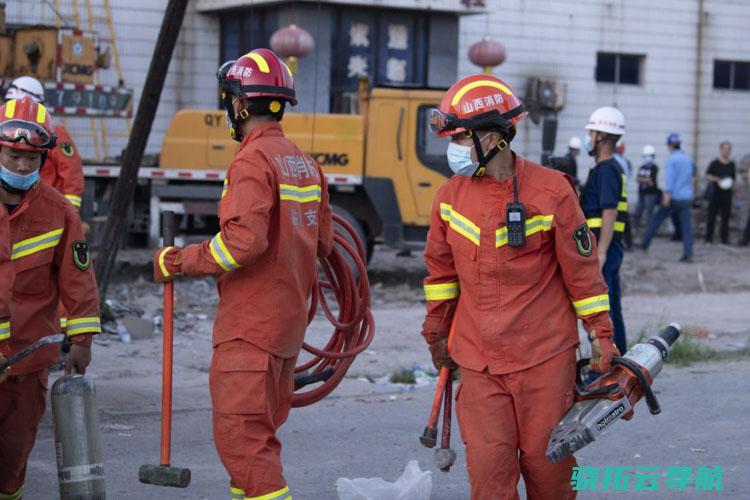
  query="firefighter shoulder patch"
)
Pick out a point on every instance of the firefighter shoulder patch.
point(582, 237)
point(67, 149)
point(81, 255)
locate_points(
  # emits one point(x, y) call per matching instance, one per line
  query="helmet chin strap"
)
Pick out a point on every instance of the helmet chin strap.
point(235, 120)
point(483, 158)
point(598, 141)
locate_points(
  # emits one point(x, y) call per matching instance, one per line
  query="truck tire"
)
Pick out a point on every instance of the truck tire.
point(348, 217)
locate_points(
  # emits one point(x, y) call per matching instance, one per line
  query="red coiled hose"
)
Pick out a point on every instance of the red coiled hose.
point(353, 328)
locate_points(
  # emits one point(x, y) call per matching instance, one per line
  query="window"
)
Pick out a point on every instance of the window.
point(619, 68)
point(431, 148)
point(387, 48)
point(733, 75)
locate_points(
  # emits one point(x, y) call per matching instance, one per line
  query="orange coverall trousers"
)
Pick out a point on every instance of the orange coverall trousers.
point(506, 421)
point(251, 392)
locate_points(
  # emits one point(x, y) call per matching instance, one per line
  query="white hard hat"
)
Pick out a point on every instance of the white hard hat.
point(25, 86)
point(648, 150)
point(608, 120)
point(575, 143)
point(726, 183)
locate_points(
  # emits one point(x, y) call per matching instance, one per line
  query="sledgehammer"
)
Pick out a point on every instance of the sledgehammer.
point(429, 436)
point(445, 456)
point(164, 474)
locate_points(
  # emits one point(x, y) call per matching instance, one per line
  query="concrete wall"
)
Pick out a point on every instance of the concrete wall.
point(559, 40)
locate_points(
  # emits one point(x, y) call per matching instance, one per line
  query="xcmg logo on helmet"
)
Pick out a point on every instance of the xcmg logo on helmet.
point(481, 103)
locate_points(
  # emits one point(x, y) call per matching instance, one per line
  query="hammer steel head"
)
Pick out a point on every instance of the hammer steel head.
point(164, 475)
point(444, 458)
point(428, 437)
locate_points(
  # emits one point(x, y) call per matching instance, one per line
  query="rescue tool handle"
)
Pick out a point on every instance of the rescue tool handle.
point(651, 401)
point(12, 360)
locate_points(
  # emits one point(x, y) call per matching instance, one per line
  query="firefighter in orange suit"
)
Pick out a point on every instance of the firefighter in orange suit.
point(275, 222)
point(63, 169)
point(6, 280)
point(511, 265)
point(51, 262)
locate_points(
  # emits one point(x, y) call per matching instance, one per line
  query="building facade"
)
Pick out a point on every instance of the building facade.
point(676, 65)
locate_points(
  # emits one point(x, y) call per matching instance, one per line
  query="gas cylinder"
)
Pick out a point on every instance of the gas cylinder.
point(80, 467)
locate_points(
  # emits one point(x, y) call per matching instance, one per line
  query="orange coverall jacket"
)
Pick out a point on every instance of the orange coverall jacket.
point(51, 262)
point(275, 221)
point(6, 281)
point(63, 169)
point(514, 307)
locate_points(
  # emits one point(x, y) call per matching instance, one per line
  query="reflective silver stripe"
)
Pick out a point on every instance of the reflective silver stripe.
point(461, 224)
point(299, 194)
point(77, 326)
point(221, 254)
point(36, 244)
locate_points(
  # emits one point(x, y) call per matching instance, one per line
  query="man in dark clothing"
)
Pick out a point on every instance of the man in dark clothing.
point(721, 173)
point(648, 191)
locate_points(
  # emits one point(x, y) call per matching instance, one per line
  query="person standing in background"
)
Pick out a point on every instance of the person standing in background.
point(678, 197)
point(721, 173)
point(648, 190)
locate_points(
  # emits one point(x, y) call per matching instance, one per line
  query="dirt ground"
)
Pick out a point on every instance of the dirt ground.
point(709, 297)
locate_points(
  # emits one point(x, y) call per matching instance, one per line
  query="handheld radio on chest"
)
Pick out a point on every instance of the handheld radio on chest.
point(515, 219)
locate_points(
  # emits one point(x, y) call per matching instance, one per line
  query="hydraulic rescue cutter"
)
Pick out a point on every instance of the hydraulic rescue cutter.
point(612, 396)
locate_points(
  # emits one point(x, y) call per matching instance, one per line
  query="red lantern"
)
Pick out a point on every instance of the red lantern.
point(292, 42)
point(487, 53)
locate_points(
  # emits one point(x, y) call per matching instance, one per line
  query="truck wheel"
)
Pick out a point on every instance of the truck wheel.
point(349, 218)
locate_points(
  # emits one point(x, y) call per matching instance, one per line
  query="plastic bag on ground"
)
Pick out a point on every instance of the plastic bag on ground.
point(414, 484)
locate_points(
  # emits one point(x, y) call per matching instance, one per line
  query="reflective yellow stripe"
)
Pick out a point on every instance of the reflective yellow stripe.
point(596, 223)
point(63, 323)
point(12, 496)
point(162, 266)
point(622, 206)
point(624, 186)
point(41, 113)
point(5, 330)
point(221, 255)
point(442, 291)
point(74, 200)
point(237, 493)
point(225, 188)
point(479, 83)
point(36, 244)
point(300, 194)
point(460, 224)
point(10, 112)
point(278, 494)
point(533, 226)
point(592, 305)
point(91, 324)
point(260, 61)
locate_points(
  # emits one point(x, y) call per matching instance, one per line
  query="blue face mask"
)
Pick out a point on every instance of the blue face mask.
point(459, 160)
point(17, 181)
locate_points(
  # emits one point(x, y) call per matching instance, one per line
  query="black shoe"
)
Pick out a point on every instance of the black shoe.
point(686, 258)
